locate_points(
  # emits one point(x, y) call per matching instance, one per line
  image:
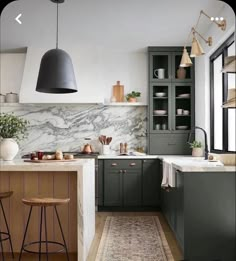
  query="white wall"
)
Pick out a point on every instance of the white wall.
point(96, 71)
point(202, 71)
point(11, 73)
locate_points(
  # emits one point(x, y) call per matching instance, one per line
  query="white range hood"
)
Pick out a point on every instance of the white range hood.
point(89, 91)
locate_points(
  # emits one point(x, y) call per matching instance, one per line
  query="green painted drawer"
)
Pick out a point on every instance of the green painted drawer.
point(123, 164)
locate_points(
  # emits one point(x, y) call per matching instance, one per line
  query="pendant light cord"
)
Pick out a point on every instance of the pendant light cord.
point(57, 28)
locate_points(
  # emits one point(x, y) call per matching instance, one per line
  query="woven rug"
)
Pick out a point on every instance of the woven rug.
point(128, 238)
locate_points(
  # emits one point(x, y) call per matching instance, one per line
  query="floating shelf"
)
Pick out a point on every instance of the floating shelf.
point(125, 104)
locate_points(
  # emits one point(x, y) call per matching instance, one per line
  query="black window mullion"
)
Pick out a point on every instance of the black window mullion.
point(225, 111)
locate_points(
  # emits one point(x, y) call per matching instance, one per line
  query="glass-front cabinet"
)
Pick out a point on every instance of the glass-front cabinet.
point(171, 97)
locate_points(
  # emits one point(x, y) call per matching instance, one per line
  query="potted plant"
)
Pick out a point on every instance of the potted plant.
point(12, 130)
point(197, 150)
point(132, 96)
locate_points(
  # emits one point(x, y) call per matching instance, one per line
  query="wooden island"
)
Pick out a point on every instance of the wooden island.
point(74, 180)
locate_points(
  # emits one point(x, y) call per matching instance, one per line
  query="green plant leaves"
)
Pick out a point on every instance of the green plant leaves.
point(12, 126)
point(195, 144)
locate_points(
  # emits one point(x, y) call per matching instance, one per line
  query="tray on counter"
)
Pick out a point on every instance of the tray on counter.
point(50, 161)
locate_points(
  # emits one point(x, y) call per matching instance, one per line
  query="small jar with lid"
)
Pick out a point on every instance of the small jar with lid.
point(2, 98)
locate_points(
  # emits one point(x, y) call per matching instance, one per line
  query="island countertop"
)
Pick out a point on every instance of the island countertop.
point(56, 165)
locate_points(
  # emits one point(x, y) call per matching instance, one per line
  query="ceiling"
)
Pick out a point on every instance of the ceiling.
point(123, 24)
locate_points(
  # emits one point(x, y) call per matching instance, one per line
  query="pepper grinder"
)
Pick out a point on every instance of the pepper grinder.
point(126, 148)
point(121, 148)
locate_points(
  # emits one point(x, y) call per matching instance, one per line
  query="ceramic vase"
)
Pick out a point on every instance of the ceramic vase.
point(181, 73)
point(8, 149)
point(197, 152)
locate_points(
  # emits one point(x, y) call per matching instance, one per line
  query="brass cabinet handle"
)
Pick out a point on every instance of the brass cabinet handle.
point(132, 164)
point(171, 143)
point(114, 164)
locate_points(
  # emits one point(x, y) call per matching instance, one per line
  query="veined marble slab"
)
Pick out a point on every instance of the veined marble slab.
point(85, 170)
point(65, 127)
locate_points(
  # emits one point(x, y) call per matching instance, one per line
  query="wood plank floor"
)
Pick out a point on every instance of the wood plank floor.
point(100, 221)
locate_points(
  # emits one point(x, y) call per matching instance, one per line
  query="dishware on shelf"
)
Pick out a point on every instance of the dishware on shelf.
point(159, 112)
point(160, 94)
point(158, 126)
point(185, 112)
point(163, 126)
point(184, 95)
point(181, 73)
point(182, 127)
point(159, 73)
point(179, 111)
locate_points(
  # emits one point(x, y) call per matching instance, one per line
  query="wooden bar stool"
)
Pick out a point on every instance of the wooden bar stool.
point(5, 235)
point(43, 203)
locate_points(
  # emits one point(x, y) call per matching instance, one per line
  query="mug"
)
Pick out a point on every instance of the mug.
point(185, 112)
point(163, 126)
point(158, 126)
point(179, 111)
point(159, 73)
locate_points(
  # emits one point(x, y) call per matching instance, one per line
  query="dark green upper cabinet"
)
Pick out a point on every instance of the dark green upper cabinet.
point(169, 92)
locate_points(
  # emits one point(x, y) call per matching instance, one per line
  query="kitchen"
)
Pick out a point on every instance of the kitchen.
point(68, 122)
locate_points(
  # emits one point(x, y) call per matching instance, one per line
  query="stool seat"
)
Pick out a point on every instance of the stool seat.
point(45, 202)
point(6, 194)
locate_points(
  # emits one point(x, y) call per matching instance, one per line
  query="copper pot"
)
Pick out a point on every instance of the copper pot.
point(87, 148)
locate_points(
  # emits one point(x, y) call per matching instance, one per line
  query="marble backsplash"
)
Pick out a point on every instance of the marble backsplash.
point(66, 127)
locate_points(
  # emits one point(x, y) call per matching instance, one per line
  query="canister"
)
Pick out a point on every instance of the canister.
point(12, 97)
point(2, 98)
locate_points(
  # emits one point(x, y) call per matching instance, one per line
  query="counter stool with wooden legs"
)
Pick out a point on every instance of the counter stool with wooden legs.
point(43, 203)
point(5, 235)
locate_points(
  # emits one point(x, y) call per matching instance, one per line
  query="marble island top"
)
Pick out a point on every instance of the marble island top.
point(21, 165)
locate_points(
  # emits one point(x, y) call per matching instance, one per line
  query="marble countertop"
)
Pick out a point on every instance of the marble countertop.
point(21, 165)
point(185, 163)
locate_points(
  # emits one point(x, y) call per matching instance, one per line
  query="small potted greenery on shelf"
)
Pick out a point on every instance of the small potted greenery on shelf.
point(197, 150)
point(132, 96)
point(12, 130)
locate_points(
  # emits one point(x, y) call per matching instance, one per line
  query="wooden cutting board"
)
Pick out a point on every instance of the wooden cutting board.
point(118, 92)
point(50, 161)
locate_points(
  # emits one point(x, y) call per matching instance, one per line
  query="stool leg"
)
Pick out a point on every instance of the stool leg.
point(40, 232)
point(62, 233)
point(26, 228)
point(8, 231)
point(46, 235)
point(1, 246)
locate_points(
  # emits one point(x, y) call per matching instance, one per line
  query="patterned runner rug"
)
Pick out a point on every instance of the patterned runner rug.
point(128, 238)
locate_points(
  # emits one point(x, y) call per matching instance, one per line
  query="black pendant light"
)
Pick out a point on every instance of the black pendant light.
point(56, 73)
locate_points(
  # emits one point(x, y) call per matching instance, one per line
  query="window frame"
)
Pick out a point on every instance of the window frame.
point(222, 50)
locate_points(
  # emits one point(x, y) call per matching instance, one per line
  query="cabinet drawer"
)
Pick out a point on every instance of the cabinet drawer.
point(123, 164)
point(169, 144)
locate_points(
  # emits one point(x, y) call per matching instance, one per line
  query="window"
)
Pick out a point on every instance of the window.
point(222, 120)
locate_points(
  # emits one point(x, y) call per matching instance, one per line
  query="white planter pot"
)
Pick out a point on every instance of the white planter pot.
point(8, 149)
point(197, 152)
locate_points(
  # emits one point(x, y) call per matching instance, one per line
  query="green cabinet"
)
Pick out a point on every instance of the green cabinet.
point(151, 182)
point(171, 100)
point(201, 212)
point(130, 183)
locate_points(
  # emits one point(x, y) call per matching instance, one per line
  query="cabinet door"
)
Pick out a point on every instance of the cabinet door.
point(179, 206)
point(160, 108)
point(182, 107)
point(151, 184)
point(132, 187)
point(160, 60)
point(186, 74)
point(112, 187)
point(99, 183)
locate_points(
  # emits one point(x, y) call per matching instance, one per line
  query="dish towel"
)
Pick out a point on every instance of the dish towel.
point(168, 175)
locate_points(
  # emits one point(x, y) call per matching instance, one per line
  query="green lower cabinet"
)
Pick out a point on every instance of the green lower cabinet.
point(132, 188)
point(130, 183)
point(201, 212)
point(113, 191)
point(151, 183)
